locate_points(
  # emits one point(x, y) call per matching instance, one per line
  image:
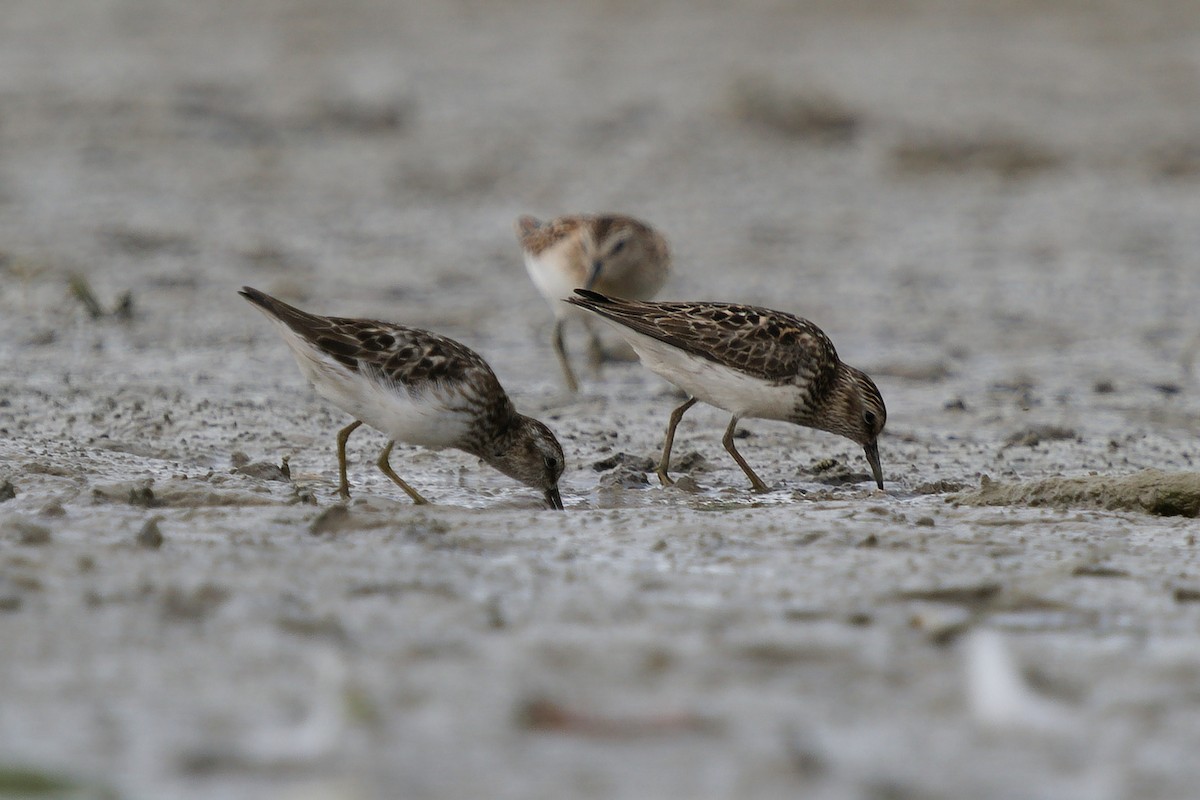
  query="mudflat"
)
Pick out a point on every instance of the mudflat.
point(991, 208)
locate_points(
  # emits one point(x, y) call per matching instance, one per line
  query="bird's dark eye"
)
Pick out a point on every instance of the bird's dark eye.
point(869, 418)
point(618, 247)
point(550, 463)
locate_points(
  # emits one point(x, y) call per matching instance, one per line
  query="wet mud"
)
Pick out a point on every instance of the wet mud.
point(990, 208)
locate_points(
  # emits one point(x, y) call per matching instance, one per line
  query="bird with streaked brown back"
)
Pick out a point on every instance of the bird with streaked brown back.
point(751, 362)
point(416, 387)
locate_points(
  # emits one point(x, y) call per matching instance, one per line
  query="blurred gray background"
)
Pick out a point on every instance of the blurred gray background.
point(992, 207)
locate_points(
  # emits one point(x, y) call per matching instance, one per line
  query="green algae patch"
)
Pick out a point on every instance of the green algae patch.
point(1167, 494)
point(25, 783)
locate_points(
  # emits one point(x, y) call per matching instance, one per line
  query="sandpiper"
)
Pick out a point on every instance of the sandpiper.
point(611, 253)
point(416, 387)
point(751, 362)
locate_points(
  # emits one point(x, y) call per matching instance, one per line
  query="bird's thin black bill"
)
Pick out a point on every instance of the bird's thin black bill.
point(872, 450)
point(554, 499)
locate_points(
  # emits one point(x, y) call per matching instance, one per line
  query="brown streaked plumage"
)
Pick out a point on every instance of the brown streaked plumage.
point(751, 362)
point(416, 387)
point(611, 253)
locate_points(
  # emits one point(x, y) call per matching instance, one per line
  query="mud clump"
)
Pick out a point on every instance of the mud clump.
point(1179, 161)
point(627, 471)
point(262, 470)
point(176, 493)
point(689, 462)
point(940, 486)
point(192, 605)
point(1007, 157)
point(967, 595)
point(142, 496)
point(1035, 435)
point(17, 528)
point(150, 536)
point(135, 493)
point(802, 115)
point(1167, 494)
point(627, 460)
point(332, 520)
point(832, 472)
point(624, 477)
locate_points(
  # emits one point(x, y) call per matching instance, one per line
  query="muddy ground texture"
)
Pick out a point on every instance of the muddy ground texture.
point(990, 207)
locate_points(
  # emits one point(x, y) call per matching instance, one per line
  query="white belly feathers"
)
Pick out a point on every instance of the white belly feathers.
point(709, 382)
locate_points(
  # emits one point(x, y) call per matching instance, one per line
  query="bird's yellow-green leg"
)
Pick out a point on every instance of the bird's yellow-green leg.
point(386, 469)
point(755, 481)
point(342, 437)
point(665, 462)
point(560, 350)
point(596, 354)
